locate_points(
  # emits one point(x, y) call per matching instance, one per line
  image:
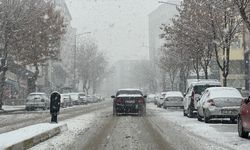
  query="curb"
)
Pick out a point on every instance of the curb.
point(11, 111)
point(28, 143)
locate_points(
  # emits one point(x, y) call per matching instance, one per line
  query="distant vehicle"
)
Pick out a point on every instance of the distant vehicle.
point(74, 97)
point(129, 101)
point(194, 93)
point(83, 98)
point(37, 100)
point(243, 118)
point(219, 102)
point(65, 100)
point(150, 98)
point(173, 99)
point(160, 100)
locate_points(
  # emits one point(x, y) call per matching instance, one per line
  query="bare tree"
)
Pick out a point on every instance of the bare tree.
point(243, 7)
point(91, 65)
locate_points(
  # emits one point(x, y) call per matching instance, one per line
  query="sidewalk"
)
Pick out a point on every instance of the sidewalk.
point(8, 108)
point(29, 136)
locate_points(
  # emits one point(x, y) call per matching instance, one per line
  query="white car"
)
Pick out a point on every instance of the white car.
point(75, 98)
point(65, 100)
point(37, 100)
point(193, 94)
point(219, 102)
point(150, 98)
point(160, 100)
point(173, 99)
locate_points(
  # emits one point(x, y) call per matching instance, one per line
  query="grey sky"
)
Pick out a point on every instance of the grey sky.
point(120, 27)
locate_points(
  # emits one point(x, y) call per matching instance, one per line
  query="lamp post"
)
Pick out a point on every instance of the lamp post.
point(169, 3)
point(75, 49)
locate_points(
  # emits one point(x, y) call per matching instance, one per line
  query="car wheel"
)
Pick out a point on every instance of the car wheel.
point(199, 118)
point(190, 112)
point(206, 118)
point(184, 112)
point(242, 133)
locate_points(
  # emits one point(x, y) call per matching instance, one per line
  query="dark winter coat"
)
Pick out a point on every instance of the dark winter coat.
point(55, 100)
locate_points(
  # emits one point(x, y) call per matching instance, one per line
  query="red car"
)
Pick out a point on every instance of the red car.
point(129, 101)
point(244, 118)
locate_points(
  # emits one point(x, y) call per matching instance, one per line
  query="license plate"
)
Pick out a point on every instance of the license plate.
point(130, 101)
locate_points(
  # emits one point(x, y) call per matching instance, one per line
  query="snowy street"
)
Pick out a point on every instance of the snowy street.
point(160, 129)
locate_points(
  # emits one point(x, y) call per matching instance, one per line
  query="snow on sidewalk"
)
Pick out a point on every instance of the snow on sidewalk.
point(12, 108)
point(13, 137)
point(76, 127)
point(224, 134)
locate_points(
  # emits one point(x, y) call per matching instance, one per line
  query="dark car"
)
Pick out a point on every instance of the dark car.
point(244, 118)
point(129, 101)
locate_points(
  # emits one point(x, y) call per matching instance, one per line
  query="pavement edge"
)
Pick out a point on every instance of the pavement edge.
point(28, 143)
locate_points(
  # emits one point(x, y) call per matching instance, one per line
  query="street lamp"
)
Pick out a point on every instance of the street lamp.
point(76, 36)
point(169, 3)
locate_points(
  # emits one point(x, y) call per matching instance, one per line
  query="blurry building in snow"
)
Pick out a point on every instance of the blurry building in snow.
point(161, 15)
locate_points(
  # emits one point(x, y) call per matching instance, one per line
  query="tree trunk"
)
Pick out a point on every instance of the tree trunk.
point(2, 84)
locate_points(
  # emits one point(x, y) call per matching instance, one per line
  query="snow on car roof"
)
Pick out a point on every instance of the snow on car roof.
point(224, 92)
point(202, 82)
point(174, 94)
point(129, 95)
point(129, 89)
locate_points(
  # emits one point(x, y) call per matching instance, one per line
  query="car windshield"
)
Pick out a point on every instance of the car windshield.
point(198, 89)
point(131, 74)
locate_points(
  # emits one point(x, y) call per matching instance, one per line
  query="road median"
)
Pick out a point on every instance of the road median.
point(30, 136)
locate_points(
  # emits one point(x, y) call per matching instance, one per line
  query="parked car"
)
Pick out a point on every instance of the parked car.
point(83, 98)
point(37, 100)
point(160, 100)
point(244, 118)
point(74, 97)
point(150, 98)
point(129, 101)
point(65, 100)
point(219, 102)
point(173, 99)
point(193, 95)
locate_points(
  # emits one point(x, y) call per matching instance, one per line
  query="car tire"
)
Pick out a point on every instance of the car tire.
point(199, 118)
point(206, 118)
point(242, 133)
point(190, 112)
point(184, 112)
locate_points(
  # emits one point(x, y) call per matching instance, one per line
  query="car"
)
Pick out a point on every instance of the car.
point(37, 100)
point(129, 101)
point(173, 99)
point(75, 98)
point(193, 94)
point(219, 102)
point(83, 98)
point(160, 100)
point(150, 98)
point(65, 100)
point(243, 118)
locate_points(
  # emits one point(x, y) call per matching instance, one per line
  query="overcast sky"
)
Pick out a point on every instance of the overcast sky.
point(120, 27)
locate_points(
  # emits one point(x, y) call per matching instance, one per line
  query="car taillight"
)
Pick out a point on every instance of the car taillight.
point(119, 100)
point(211, 102)
point(141, 100)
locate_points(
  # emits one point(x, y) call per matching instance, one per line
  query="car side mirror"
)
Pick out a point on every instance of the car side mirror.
point(184, 94)
point(113, 96)
point(145, 96)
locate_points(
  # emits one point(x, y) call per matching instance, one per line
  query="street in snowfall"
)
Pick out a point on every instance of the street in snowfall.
point(124, 74)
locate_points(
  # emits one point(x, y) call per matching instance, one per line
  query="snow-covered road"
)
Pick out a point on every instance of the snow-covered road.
point(160, 129)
